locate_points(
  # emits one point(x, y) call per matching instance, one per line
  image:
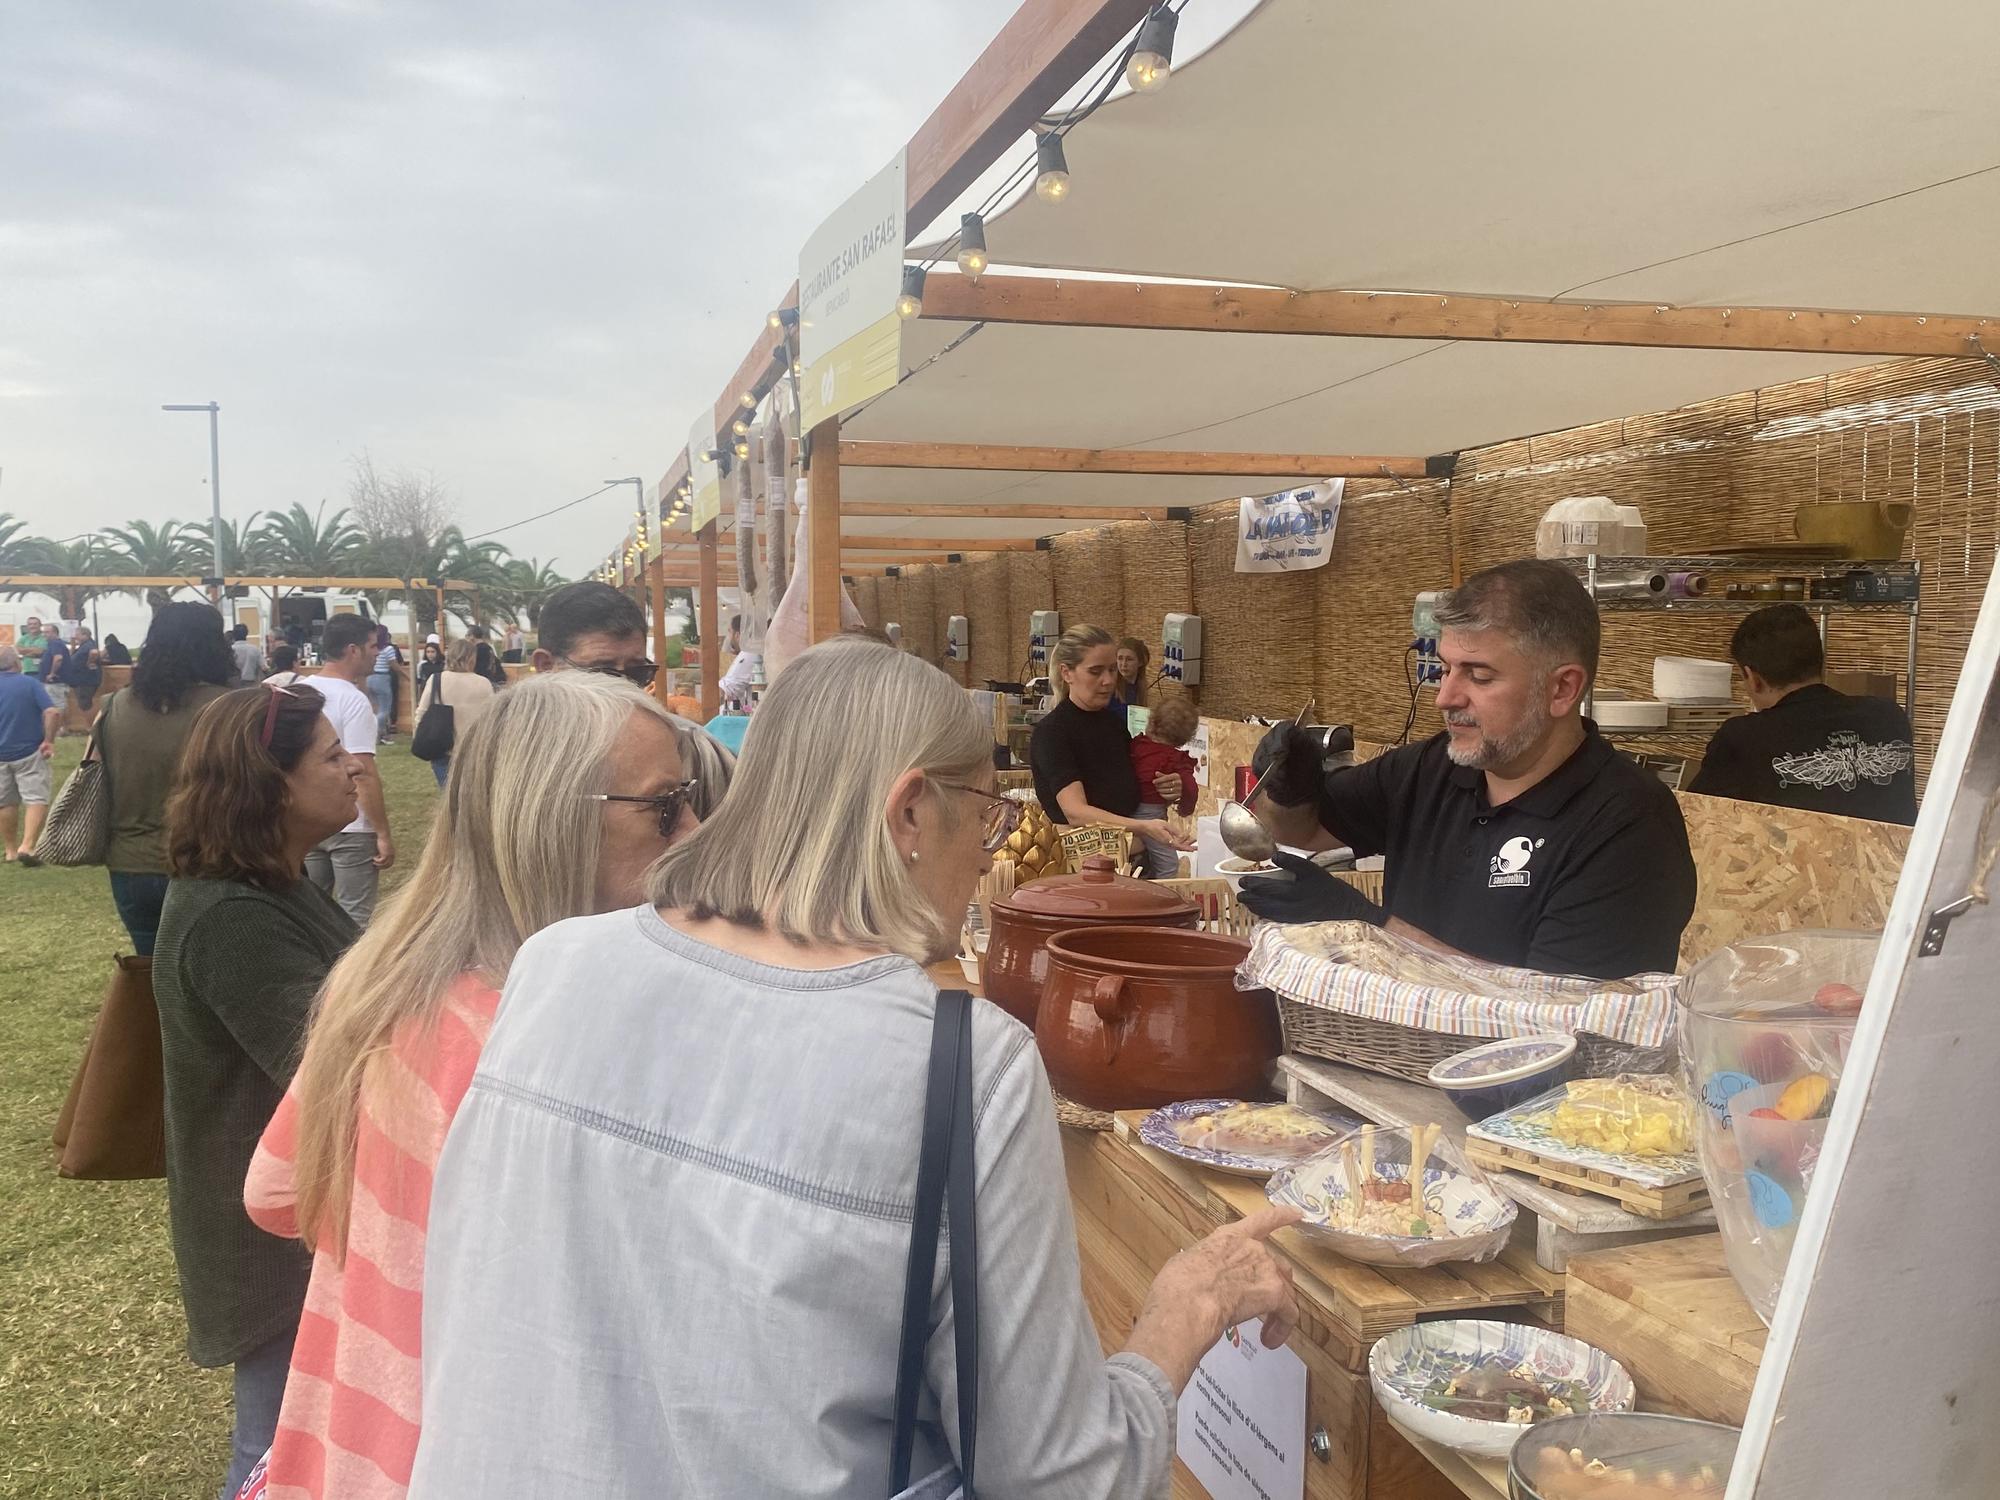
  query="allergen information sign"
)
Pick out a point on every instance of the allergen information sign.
point(1290, 531)
point(850, 276)
point(1242, 1420)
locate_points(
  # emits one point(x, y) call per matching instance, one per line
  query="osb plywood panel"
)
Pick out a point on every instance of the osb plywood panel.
point(1393, 543)
point(1775, 869)
point(1257, 628)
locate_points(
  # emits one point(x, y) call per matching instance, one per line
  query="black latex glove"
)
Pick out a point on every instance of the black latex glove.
point(1287, 763)
point(1307, 893)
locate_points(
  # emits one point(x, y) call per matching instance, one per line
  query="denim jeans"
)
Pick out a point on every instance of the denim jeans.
point(382, 690)
point(440, 768)
point(139, 897)
point(260, 1390)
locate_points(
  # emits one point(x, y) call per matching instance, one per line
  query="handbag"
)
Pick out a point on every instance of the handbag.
point(112, 1127)
point(944, 1170)
point(435, 729)
point(78, 830)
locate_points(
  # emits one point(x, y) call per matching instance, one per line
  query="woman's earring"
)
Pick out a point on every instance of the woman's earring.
point(913, 856)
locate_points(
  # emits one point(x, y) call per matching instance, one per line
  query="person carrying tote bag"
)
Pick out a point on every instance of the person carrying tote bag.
point(78, 829)
point(451, 701)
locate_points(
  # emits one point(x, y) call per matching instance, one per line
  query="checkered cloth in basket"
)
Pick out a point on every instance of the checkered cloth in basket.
point(1363, 971)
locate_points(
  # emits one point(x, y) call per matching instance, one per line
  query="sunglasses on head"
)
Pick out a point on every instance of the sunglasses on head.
point(271, 714)
point(638, 673)
point(669, 804)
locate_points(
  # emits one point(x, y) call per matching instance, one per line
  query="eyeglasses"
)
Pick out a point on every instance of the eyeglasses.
point(638, 673)
point(1003, 814)
point(669, 804)
point(271, 714)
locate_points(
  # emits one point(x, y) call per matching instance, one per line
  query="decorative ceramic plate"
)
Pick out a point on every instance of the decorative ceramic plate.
point(1478, 1219)
point(1162, 1130)
point(1404, 1364)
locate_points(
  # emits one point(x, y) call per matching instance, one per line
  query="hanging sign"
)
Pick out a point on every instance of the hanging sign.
point(1241, 1424)
point(704, 473)
point(850, 275)
point(1290, 531)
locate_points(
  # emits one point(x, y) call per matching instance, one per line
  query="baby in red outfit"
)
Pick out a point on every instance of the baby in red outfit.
point(1158, 752)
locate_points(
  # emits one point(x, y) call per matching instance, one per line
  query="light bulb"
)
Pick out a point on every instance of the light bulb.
point(1153, 53)
point(1052, 181)
point(743, 448)
point(911, 303)
point(971, 244)
point(774, 321)
point(739, 427)
point(798, 367)
point(748, 401)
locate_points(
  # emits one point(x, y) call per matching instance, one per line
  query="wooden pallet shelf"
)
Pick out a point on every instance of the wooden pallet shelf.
point(1672, 1202)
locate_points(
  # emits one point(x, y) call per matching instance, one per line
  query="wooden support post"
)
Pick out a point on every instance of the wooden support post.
point(823, 537)
point(709, 612)
point(442, 633)
point(658, 574)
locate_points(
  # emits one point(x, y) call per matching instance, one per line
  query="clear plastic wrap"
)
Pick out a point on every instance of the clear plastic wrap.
point(1454, 1213)
point(1765, 1030)
point(1627, 1455)
point(1631, 1114)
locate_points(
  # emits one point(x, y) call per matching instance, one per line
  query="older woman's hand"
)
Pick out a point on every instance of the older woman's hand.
point(1226, 1279)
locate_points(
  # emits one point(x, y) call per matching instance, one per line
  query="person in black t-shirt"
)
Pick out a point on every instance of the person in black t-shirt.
point(1080, 752)
point(1518, 835)
point(1808, 746)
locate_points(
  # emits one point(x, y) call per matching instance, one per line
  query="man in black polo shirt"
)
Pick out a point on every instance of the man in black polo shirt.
point(1807, 745)
point(1517, 835)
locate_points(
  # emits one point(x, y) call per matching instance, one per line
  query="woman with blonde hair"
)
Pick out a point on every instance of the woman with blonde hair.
point(1081, 752)
point(562, 794)
point(670, 1234)
point(459, 686)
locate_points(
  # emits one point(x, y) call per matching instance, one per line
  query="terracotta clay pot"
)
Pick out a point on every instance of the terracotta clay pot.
point(1016, 965)
point(1134, 1019)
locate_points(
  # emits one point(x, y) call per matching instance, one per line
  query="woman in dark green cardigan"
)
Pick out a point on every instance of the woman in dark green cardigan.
point(244, 942)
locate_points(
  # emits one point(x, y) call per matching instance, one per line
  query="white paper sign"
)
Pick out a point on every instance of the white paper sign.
point(850, 277)
point(1198, 748)
point(1290, 531)
point(1242, 1423)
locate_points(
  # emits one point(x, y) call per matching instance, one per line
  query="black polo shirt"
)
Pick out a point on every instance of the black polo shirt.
point(1586, 872)
point(1817, 749)
point(1071, 744)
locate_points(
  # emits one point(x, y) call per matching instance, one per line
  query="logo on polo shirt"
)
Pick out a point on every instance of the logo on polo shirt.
point(1510, 865)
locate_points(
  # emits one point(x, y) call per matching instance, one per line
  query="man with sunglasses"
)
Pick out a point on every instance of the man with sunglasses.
point(349, 865)
point(592, 627)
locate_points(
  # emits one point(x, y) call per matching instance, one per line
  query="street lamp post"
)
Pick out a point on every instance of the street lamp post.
point(214, 410)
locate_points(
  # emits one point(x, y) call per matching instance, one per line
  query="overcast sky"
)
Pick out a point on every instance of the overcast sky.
point(518, 245)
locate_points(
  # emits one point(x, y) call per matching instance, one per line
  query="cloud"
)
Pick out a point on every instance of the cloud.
point(516, 245)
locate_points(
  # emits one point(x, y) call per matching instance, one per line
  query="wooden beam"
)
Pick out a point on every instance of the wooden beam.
point(1077, 512)
point(117, 581)
point(988, 456)
point(1044, 50)
point(707, 609)
point(657, 574)
point(823, 533)
point(1054, 302)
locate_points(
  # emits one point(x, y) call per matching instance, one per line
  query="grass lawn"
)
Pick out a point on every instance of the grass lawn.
point(97, 1397)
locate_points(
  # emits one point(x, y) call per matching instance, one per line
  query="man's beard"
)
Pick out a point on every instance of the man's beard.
point(1488, 752)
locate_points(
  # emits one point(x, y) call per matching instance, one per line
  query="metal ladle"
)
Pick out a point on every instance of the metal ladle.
point(1242, 834)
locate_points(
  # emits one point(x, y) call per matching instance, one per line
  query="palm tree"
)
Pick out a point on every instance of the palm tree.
point(447, 555)
point(81, 556)
point(311, 544)
point(528, 581)
point(145, 550)
point(246, 549)
point(11, 538)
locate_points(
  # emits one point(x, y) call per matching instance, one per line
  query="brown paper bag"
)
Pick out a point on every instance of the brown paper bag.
point(113, 1124)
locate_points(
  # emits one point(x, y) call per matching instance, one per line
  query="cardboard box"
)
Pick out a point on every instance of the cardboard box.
point(1864, 685)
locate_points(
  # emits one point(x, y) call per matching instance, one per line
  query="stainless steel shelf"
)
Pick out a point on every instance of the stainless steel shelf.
point(1707, 606)
point(1767, 564)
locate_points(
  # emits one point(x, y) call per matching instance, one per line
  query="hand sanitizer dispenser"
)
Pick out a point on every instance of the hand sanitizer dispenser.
point(957, 639)
point(1044, 629)
point(1181, 640)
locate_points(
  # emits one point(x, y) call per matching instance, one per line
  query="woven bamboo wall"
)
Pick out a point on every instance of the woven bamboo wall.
point(1158, 579)
point(889, 600)
point(986, 608)
point(1392, 544)
point(920, 625)
point(1089, 578)
point(1259, 624)
point(948, 598)
point(1031, 585)
point(864, 590)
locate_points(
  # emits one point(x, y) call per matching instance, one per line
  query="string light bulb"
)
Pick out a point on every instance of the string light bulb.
point(739, 427)
point(971, 244)
point(743, 447)
point(748, 400)
point(1153, 55)
point(911, 303)
point(1052, 178)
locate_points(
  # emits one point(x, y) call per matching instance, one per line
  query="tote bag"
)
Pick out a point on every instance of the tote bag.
point(436, 729)
point(78, 830)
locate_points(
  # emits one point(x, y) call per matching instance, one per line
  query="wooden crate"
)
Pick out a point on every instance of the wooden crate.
point(1649, 1202)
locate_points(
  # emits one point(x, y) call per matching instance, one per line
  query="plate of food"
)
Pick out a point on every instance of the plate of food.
point(1361, 1198)
point(1474, 1384)
point(1629, 1455)
point(1234, 1135)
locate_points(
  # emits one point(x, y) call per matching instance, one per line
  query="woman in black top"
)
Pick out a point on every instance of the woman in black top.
point(1081, 753)
point(116, 653)
point(245, 941)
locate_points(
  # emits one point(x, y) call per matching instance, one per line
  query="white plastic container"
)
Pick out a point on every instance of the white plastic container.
point(1579, 526)
point(1690, 679)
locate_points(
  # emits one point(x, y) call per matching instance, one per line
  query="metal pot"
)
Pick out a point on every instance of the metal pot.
point(1134, 1020)
point(1871, 529)
point(1017, 965)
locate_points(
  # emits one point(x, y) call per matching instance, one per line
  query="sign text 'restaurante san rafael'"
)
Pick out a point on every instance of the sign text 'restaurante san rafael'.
point(887, 232)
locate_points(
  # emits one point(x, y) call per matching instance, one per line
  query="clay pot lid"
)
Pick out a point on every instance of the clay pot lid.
point(1097, 893)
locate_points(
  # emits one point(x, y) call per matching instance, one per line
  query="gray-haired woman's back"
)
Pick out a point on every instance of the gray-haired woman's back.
point(667, 1242)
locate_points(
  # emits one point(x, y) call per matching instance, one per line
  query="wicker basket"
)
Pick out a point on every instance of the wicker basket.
point(1411, 1052)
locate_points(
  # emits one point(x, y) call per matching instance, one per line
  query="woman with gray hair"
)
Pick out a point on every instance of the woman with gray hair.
point(670, 1229)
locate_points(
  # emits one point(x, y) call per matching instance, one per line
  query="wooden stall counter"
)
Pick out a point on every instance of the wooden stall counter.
point(1136, 1207)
